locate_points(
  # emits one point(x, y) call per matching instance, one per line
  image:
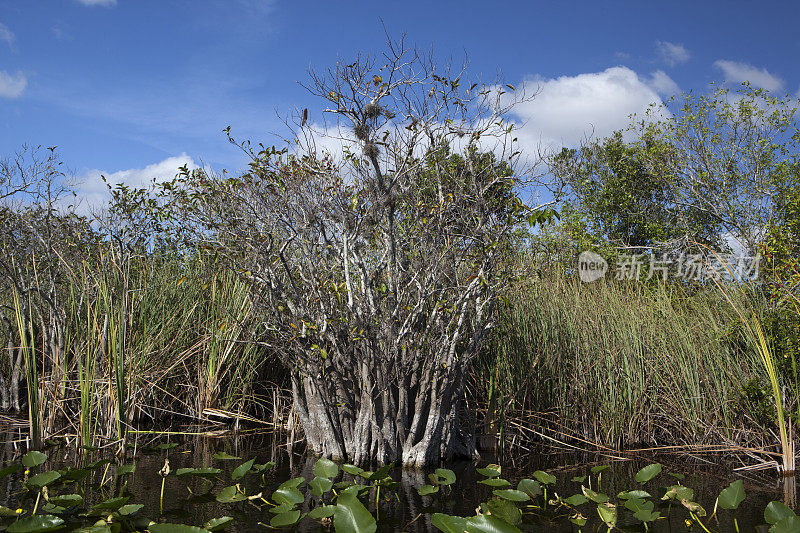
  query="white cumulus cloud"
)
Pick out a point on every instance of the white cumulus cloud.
point(738, 72)
point(106, 3)
point(93, 194)
point(672, 53)
point(12, 85)
point(565, 111)
point(568, 109)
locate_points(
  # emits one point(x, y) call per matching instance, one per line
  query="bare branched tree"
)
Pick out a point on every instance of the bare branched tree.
point(376, 273)
point(38, 239)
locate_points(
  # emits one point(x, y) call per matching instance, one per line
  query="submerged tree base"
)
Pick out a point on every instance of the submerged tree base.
point(414, 432)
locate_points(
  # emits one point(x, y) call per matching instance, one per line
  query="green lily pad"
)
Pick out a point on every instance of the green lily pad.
point(76, 474)
point(694, 507)
point(112, 505)
point(596, 497)
point(776, 511)
point(42, 480)
point(130, 509)
point(544, 478)
point(33, 458)
point(257, 468)
point(427, 490)
point(732, 496)
point(286, 519)
point(381, 473)
point(489, 524)
point(628, 494)
point(175, 528)
point(198, 472)
point(648, 472)
point(326, 468)
point(98, 527)
point(446, 476)
point(511, 495)
point(6, 512)
point(218, 524)
point(504, 509)
point(638, 504)
point(224, 456)
point(489, 471)
point(575, 500)
point(494, 482)
point(294, 483)
point(240, 471)
point(449, 524)
point(67, 500)
point(352, 517)
point(287, 495)
point(530, 487)
point(97, 464)
point(282, 508)
point(678, 492)
point(36, 524)
point(356, 490)
point(320, 485)
point(230, 495)
point(646, 516)
point(789, 524)
point(608, 514)
point(352, 469)
point(324, 511)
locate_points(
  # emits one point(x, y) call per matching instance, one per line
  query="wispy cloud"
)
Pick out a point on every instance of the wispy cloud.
point(61, 32)
point(7, 35)
point(166, 114)
point(738, 72)
point(258, 6)
point(672, 53)
point(12, 85)
point(104, 3)
point(663, 84)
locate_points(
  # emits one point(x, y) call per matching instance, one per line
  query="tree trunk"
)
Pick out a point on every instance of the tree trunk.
point(378, 420)
point(10, 397)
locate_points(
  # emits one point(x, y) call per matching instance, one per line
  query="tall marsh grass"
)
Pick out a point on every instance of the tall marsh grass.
point(620, 365)
point(147, 339)
point(612, 364)
point(24, 320)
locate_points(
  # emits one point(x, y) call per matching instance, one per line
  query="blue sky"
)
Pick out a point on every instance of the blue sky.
point(133, 88)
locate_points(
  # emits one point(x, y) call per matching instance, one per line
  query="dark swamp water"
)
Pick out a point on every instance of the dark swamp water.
point(192, 500)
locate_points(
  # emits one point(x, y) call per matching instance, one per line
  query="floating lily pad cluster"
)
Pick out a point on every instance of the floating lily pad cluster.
point(347, 498)
point(510, 507)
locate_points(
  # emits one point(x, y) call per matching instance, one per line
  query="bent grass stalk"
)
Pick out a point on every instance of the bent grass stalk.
point(755, 334)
